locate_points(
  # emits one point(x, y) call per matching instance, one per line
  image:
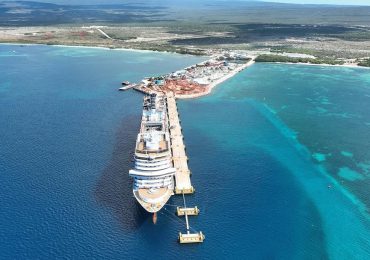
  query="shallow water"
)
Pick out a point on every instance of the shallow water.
point(67, 138)
point(280, 96)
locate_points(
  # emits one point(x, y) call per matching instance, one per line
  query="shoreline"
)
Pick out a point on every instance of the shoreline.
point(354, 66)
point(211, 86)
point(199, 79)
point(250, 63)
point(98, 48)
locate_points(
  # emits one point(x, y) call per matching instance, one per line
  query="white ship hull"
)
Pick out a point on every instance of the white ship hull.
point(153, 172)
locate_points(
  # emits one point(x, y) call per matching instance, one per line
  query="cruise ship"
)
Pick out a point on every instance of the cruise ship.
point(153, 173)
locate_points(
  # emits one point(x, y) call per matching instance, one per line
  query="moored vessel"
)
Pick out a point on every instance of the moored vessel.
point(153, 172)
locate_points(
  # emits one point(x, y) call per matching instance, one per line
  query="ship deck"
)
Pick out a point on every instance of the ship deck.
point(180, 160)
point(146, 193)
point(162, 147)
point(144, 196)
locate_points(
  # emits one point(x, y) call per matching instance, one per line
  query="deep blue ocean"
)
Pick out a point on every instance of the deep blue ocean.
point(279, 156)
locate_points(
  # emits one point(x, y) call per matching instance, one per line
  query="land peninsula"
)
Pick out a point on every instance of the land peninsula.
point(271, 32)
point(196, 80)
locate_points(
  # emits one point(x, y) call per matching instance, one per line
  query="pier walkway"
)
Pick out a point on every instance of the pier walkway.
point(180, 160)
point(182, 176)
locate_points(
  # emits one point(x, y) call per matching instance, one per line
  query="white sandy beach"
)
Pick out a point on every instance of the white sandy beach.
point(353, 66)
point(212, 85)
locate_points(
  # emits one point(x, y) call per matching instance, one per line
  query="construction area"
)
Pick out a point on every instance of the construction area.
point(196, 80)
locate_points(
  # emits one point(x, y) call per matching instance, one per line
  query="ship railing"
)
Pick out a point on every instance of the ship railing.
point(148, 152)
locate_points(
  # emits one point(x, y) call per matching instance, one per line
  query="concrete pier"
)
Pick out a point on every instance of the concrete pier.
point(180, 160)
point(182, 176)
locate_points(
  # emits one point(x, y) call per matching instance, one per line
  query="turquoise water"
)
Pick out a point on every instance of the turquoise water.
point(326, 108)
point(250, 114)
point(67, 137)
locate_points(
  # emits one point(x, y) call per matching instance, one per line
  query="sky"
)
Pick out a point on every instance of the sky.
point(338, 2)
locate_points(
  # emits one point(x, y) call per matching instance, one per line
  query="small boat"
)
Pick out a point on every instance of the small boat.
point(125, 83)
point(126, 87)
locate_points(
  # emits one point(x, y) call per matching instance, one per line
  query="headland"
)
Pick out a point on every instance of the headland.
point(313, 34)
point(196, 80)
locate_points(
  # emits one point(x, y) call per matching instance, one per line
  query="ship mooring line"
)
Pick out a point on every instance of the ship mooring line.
point(186, 214)
point(174, 218)
point(183, 197)
point(171, 205)
point(177, 219)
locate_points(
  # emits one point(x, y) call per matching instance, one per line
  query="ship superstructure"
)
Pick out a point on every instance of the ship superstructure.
point(153, 172)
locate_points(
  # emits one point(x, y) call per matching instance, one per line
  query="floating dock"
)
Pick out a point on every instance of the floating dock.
point(188, 238)
point(180, 160)
point(188, 211)
point(191, 238)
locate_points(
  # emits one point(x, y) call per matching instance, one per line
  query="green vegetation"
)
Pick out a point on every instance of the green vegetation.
point(330, 33)
point(289, 49)
point(281, 58)
point(360, 34)
point(207, 12)
point(364, 63)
